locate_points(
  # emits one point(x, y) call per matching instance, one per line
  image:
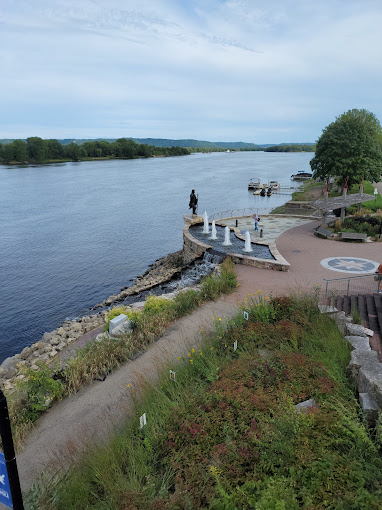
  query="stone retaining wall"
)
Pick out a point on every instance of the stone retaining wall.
point(192, 247)
point(364, 367)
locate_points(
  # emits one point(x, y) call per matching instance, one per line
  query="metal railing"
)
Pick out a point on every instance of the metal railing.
point(351, 285)
point(236, 213)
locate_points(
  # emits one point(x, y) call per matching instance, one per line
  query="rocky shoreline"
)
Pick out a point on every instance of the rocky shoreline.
point(52, 343)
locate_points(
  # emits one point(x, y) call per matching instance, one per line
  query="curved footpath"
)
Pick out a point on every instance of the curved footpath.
point(91, 414)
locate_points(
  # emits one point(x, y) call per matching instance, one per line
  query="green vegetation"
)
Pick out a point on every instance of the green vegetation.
point(350, 148)
point(37, 150)
point(40, 388)
point(370, 225)
point(226, 434)
point(291, 148)
point(305, 192)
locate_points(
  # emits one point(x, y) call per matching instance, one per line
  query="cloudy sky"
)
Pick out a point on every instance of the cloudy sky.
point(223, 70)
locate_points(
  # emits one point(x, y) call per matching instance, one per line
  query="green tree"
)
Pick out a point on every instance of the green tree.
point(54, 149)
point(350, 148)
point(7, 153)
point(20, 151)
point(37, 149)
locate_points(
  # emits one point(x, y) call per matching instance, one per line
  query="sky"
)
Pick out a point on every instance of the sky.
point(274, 71)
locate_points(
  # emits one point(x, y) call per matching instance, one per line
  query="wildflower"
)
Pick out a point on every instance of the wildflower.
point(179, 357)
point(191, 361)
point(189, 355)
point(192, 350)
point(128, 385)
point(219, 319)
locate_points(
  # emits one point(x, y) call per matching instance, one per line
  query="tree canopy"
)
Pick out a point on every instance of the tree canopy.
point(37, 150)
point(350, 148)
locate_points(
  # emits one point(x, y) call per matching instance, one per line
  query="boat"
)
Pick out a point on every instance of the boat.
point(263, 192)
point(269, 192)
point(258, 191)
point(301, 176)
point(254, 183)
point(274, 184)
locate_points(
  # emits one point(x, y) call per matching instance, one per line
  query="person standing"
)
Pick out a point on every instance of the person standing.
point(193, 202)
point(256, 221)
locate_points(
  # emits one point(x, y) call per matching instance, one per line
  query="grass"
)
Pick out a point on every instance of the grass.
point(39, 389)
point(305, 192)
point(226, 435)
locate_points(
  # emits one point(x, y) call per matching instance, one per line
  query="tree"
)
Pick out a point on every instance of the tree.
point(350, 148)
point(37, 149)
point(20, 151)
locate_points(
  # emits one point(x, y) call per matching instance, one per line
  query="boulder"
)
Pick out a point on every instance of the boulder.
point(306, 406)
point(359, 342)
point(47, 337)
point(369, 407)
point(370, 381)
point(358, 330)
point(360, 359)
point(25, 353)
point(61, 332)
point(9, 367)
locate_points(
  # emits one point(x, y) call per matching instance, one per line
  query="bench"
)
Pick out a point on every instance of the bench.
point(323, 232)
point(358, 236)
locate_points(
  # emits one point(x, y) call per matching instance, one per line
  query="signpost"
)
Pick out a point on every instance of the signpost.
point(10, 490)
point(5, 491)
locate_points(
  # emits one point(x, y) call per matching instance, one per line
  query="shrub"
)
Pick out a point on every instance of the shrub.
point(40, 390)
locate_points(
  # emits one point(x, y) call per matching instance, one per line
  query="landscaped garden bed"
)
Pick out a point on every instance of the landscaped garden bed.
point(225, 432)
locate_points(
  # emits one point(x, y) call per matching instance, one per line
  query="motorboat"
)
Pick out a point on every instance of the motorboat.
point(274, 184)
point(263, 192)
point(269, 192)
point(254, 183)
point(301, 176)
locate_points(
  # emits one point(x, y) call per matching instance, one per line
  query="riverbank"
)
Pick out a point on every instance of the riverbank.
point(54, 342)
point(69, 160)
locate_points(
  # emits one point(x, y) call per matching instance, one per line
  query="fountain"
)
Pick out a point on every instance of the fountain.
point(213, 231)
point(206, 228)
point(247, 247)
point(226, 242)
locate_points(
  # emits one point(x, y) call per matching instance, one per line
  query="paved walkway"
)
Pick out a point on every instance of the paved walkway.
point(93, 412)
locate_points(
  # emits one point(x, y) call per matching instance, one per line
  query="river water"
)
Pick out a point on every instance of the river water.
point(72, 234)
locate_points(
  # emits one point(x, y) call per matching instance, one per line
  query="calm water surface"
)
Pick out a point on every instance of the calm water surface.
point(74, 233)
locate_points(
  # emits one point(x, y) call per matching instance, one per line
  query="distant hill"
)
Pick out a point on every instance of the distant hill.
point(164, 142)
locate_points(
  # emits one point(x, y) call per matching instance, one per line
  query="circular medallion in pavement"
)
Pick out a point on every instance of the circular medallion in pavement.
point(350, 265)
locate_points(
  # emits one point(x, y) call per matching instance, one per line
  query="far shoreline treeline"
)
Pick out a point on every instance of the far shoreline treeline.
point(37, 150)
point(291, 148)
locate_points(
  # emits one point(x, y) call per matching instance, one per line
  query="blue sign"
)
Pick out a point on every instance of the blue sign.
point(5, 492)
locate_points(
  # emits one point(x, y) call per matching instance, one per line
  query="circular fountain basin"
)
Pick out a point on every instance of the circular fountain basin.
point(237, 245)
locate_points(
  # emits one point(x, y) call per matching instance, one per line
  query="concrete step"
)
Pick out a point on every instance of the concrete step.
point(362, 310)
point(347, 305)
point(378, 309)
point(339, 303)
point(372, 313)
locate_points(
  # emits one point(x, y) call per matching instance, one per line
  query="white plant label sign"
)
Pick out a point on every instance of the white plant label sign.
point(172, 375)
point(245, 315)
point(142, 420)
point(235, 345)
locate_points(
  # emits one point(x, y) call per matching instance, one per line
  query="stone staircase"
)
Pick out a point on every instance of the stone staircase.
point(370, 310)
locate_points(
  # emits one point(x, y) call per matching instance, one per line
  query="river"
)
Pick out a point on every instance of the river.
point(72, 234)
